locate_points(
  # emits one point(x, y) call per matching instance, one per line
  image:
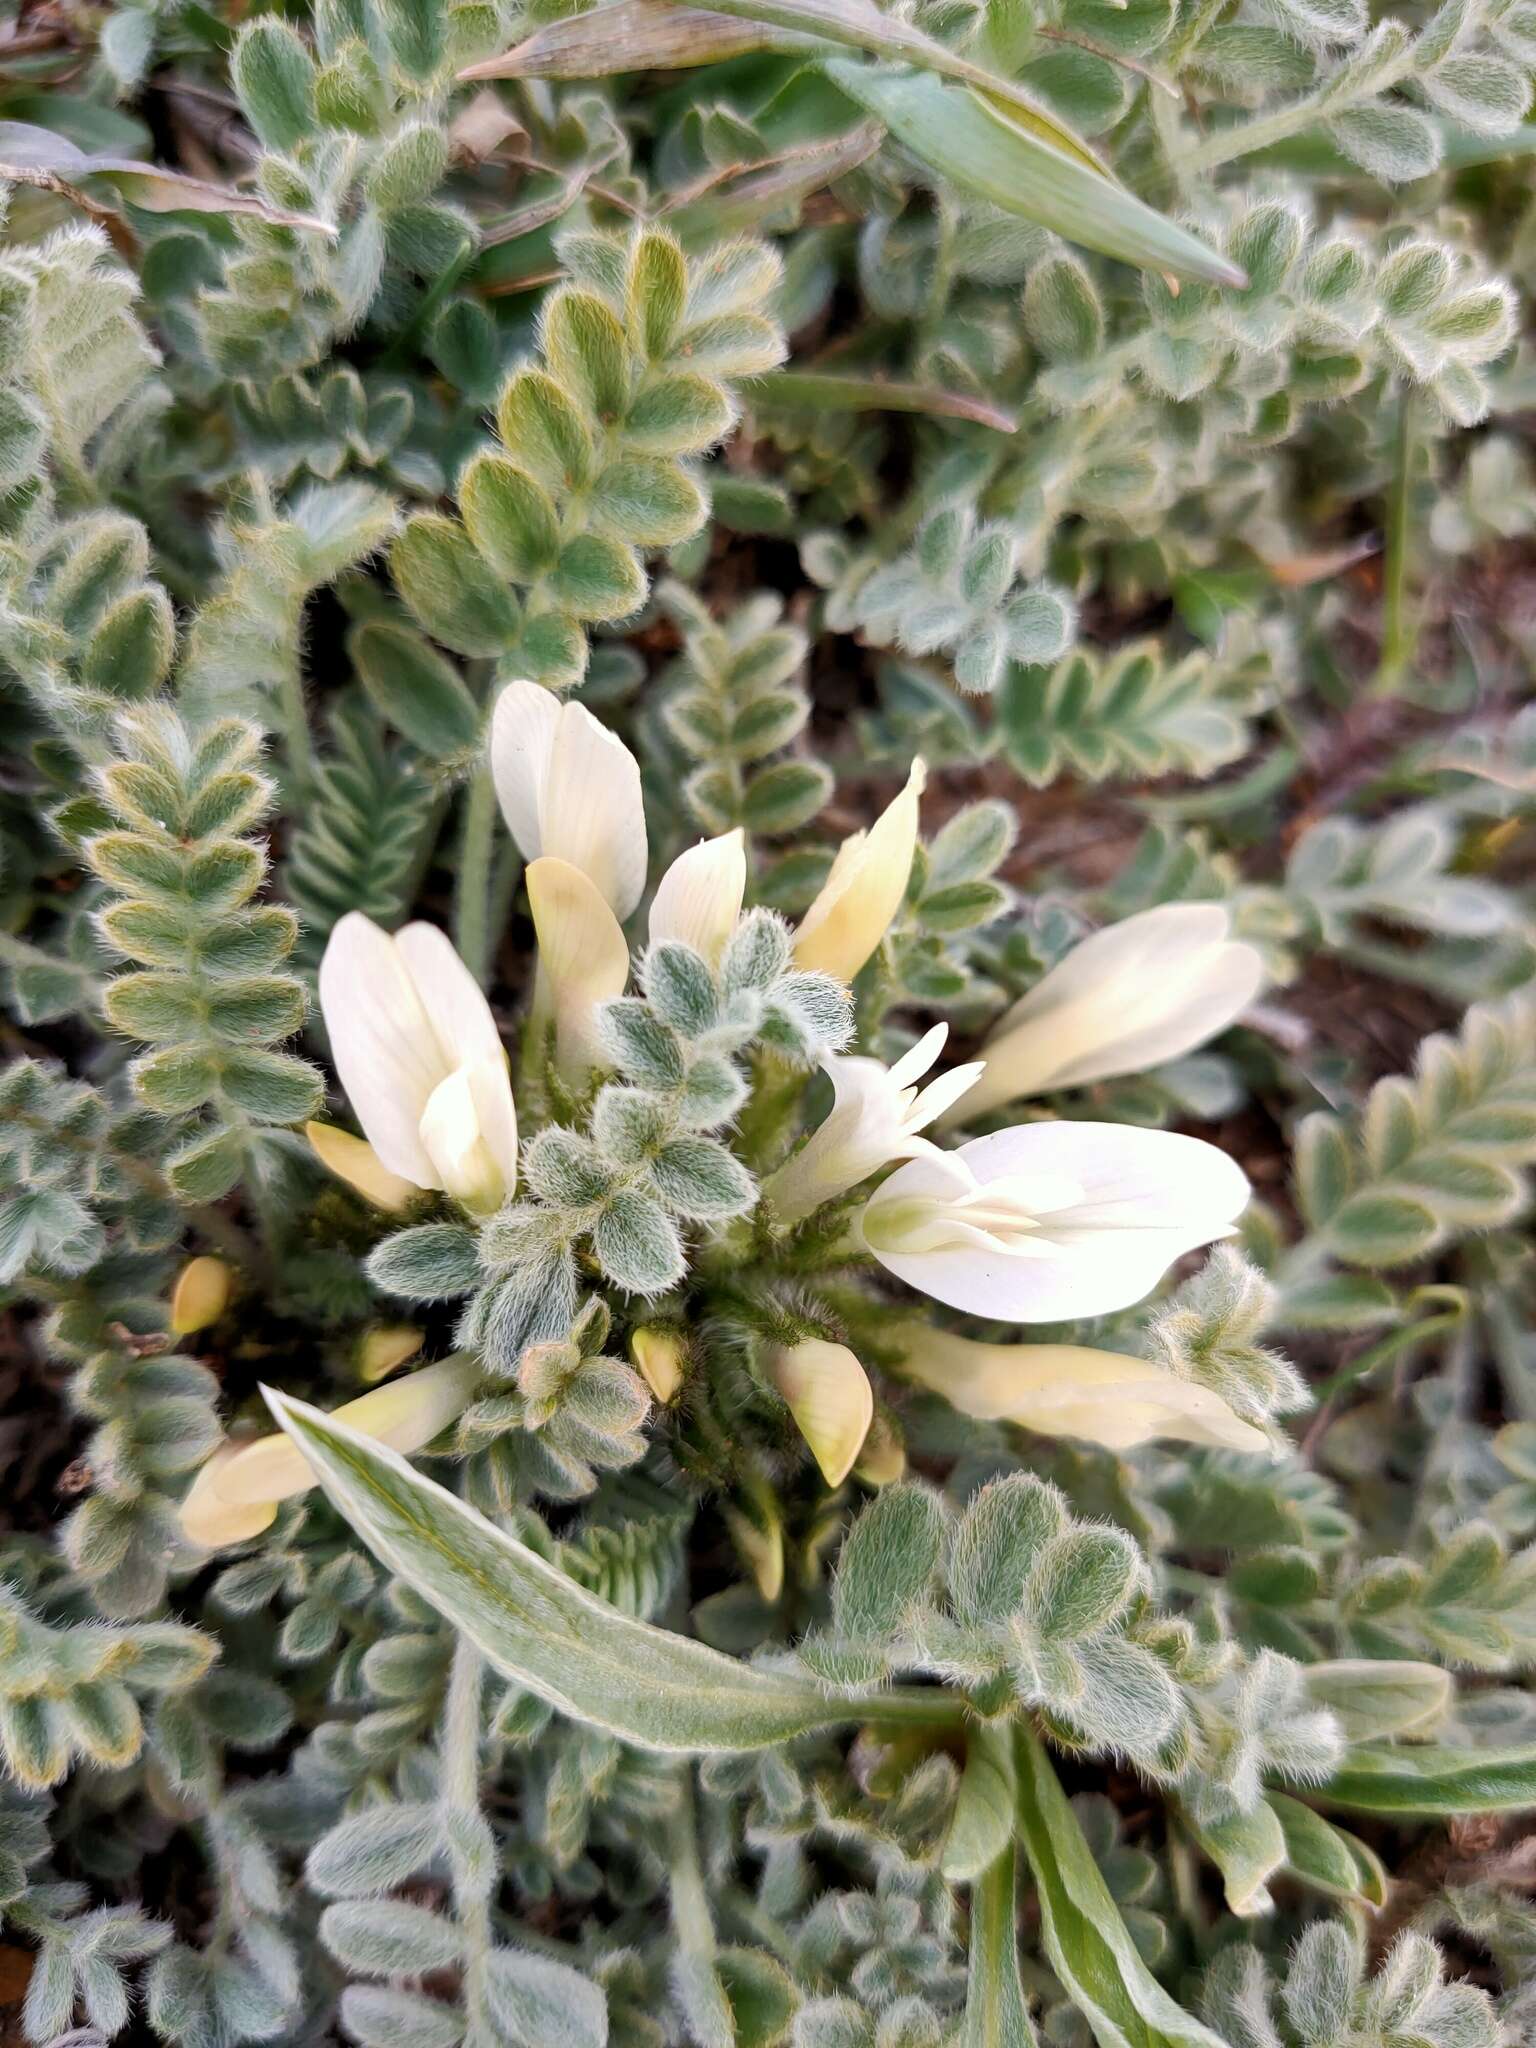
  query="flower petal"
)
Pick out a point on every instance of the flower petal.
point(523, 727)
point(1102, 1397)
point(451, 999)
point(208, 1519)
point(1146, 1197)
point(592, 813)
point(698, 900)
point(863, 892)
point(1131, 996)
point(829, 1395)
point(355, 1161)
point(583, 959)
point(386, 1052)
point(406, 1415)
point(917, 1059)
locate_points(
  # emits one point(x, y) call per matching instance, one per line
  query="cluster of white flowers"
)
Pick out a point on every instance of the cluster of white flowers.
point(1047, 1221)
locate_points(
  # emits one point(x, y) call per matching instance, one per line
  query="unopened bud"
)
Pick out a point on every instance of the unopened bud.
point(761, 1548)
point(883, 1459)
point(355, 1161)
point(829, 1395)
point(200, 1296)
point(384, 1349)
point(659, 1356)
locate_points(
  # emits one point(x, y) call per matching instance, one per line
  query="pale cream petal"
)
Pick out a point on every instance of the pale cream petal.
point(208, 1519)
point(406, 1415)
point(451, 999)
point(355, 1161)
point(698, 900)
point(660, 1358)
point(385, 1349)
point(385, 1049)
point(497, 1112)
point(200, 1296)
point(523, 727)
point(1132, 996)
point(828, 1393)
point(761, 1550)
point(591, 812)
point(864, 891)
point(1101, 1211)
point(943, 1093)
point(450, 1130)
point(1071, 1390)
point(917, 1059)
point(583, 959)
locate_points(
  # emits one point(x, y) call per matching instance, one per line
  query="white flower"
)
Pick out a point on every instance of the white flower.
point(236, 1493)
point(876, 1115)
point(863, 891)
point(829, 1395)
point(698, 900)
point(420, 1058)
point(1052, 1221)
point(583, 961)
point(1130, 997)
point(1069, 1390)
point(570, 788)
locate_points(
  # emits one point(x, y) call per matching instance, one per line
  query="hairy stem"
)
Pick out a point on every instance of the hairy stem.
point(472, 895)
point(459, 1791)
point(1399, 634)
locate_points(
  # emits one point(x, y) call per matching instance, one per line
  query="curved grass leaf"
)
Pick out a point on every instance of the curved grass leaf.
point(586, 1659)
point(823, 391)
point(30, 155)
point(634, 35)
point(981, 149)
point(1087, 1943)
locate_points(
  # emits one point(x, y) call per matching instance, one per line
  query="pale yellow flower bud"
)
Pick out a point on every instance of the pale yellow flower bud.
point(355, 1161)
point(863, 892)
point(761, 1549)
point(659, 1357)
point(385, 1349)
point(200, 1296)
point(236, 1494)
point(883, 1459)
point(583, 960)
point(828, 1393)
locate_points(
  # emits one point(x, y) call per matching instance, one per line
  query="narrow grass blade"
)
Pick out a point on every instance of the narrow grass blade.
point(824, 391)
point(982, 150)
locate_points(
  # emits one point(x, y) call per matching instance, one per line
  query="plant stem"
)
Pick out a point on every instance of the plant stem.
point(472, 895)
point(1399, 633)
point(459, 1793)
point(294, 714)
point(996, 2011)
